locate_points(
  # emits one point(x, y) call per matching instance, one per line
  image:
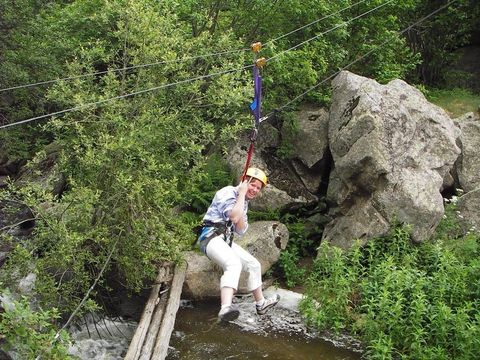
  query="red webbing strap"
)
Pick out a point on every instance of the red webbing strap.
point(249, 157)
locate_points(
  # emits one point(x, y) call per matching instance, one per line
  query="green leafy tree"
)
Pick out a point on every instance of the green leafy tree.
point(133, 163)
point(436, 38)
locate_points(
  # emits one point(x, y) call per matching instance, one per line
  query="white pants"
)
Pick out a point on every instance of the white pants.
point(233, 260)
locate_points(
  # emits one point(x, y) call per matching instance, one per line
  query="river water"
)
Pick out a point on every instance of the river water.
point(280, 334)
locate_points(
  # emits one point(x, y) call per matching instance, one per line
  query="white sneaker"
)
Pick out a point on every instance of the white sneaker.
point(267, 304)
point(228, 313)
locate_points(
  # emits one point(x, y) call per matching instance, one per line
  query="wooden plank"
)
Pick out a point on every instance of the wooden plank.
point(135, 347)
point(163, 337)
point(154, 327)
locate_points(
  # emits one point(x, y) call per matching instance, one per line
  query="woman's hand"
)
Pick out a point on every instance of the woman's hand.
point(243, 187)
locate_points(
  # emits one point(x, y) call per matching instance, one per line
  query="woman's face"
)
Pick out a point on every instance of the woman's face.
point(254, 187)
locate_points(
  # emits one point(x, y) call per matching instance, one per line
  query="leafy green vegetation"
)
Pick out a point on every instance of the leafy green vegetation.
point(32, 331)
point(142, 163)
point(403, 300)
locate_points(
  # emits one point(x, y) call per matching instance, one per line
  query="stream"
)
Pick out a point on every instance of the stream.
point(280, 334)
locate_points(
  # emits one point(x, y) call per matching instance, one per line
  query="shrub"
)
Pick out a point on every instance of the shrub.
point(403, 300)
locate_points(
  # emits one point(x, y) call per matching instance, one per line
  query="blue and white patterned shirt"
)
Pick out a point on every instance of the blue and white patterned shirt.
point(222, 204)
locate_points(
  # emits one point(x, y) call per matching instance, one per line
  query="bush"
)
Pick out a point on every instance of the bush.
point(31, 333)
point(403, 300)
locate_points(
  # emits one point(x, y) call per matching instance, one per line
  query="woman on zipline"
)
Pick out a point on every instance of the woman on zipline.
point(228, 214)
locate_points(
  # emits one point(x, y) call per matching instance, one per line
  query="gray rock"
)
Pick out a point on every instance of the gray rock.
point(311, 140)
point(27, 284)
point(391, 150)
point(469, 211)
point(264, 240)
point(468, 163)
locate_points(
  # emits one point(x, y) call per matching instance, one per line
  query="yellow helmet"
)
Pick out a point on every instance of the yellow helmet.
point(257, 174)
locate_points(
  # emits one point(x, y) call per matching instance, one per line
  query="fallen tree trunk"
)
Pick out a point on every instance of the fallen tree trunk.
point(152, 306)
point(163, 337)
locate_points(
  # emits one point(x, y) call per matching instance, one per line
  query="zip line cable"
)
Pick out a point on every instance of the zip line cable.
point(97, 279)
point(329, 30)
point(100, 102)
point(122, 69)
point(354, 62)
point(313, 22)
point(171, 61)
point(80, 107)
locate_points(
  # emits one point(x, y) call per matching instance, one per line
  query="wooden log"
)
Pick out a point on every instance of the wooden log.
point(135, 347)
point(154, 327)
point(165, 332)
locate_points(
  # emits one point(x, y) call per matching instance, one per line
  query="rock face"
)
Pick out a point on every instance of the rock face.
point(468, 163)
point(391, 150)
point(264, 240)
point(274, 196)
point(311, 141)
point(296, 180)
point(469, 210)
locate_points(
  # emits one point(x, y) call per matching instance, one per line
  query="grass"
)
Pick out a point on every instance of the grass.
point(455, 102)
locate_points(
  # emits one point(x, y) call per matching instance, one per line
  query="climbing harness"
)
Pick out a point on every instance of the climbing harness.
point(256, 105)
point(211, 229)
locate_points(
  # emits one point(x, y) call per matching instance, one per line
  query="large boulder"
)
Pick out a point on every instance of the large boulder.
point(264, 240)
point(469, 211)
point(468, 164)
point(391, 150)
point(281, 191)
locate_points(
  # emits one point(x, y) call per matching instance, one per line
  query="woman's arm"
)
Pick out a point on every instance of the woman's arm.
point(236, 214)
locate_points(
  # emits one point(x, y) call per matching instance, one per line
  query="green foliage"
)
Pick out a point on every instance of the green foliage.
point(293, 273)
point(403, 300)
point(134, 165)
point(391, 57)
point(216, 176)
point(264, 215)
point(440, 35)
point(297, 235)
point(32, 333)
point(299, 246)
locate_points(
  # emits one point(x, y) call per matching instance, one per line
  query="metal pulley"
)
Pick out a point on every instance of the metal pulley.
point(256, 47)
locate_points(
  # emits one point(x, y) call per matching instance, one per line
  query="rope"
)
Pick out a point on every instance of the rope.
point(249, 157)
point(354, 62)
point(100, 102)
point(313, 22)
point(80, 107)
point(45, 82)
point(173, 61)
point(122, 69)
point(329, 30)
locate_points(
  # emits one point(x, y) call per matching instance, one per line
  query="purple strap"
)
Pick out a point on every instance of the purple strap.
point(256, 105)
